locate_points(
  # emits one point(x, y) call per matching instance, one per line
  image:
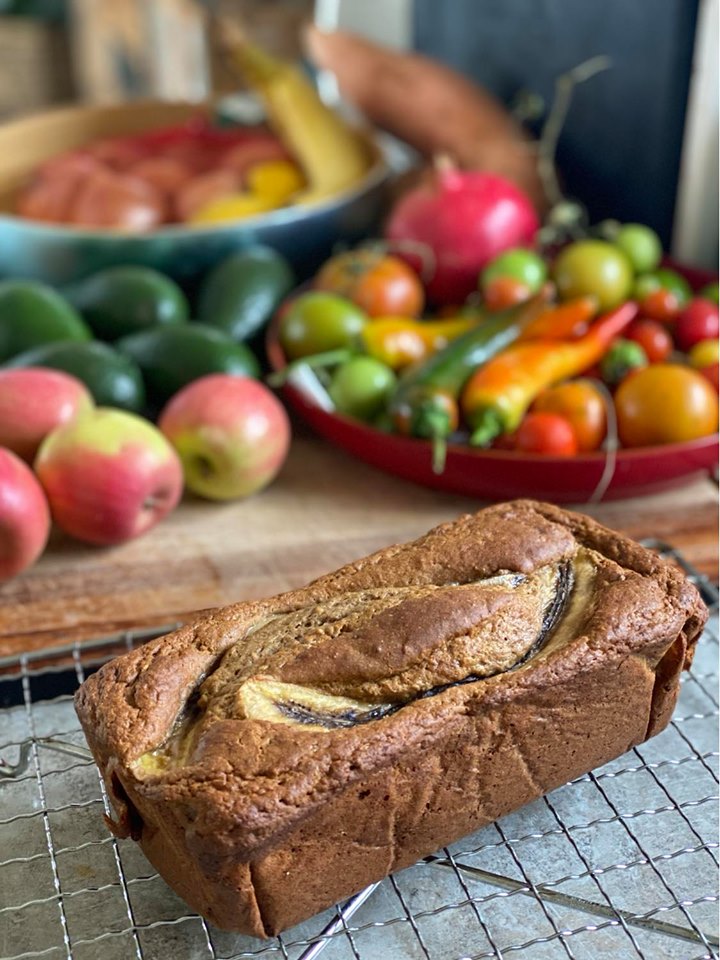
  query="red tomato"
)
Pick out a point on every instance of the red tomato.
point(547, 433)
point(653, 338)
point(698, 321)
point(118, 200)
point(660, 304)
point(501, 293)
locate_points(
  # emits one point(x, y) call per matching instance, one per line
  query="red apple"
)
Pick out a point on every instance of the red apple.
point(109, 476)
point(232, 435)
point(24, 516)
point(33, 401)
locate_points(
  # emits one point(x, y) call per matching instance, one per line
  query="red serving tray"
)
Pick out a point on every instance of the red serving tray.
point(503, 475)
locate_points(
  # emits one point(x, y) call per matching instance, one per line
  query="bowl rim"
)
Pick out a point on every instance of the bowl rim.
point(377, 173)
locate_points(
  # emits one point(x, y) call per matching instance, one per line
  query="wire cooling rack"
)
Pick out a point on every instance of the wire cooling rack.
point(621, 863)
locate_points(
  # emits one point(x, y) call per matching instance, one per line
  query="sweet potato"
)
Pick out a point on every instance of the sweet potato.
point(429, 106)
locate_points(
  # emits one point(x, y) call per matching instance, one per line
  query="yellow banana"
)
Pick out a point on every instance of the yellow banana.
point(331, 155)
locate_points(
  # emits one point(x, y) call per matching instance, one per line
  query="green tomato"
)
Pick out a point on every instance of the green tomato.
point(527, 267)
point(641, 246)
point(317, 322)
point(663, 279)
point(622, 357)
point(710, 292)
point(360, 387)
point(593, 267)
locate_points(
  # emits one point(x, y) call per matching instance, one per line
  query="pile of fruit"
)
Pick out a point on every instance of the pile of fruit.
point(191, 173)
point(84, 372)
point(201, 174)
point(551, 354)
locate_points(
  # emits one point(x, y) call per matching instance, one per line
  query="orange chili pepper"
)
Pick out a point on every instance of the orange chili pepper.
point(564, 321)
point(400, 341)
point(498, 394)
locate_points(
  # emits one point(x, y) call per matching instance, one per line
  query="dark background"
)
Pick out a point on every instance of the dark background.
point(620, 149)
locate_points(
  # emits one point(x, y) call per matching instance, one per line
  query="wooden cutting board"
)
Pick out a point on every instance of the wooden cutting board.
point(324, 510)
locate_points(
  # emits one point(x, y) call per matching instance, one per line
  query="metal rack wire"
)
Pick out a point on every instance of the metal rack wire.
point(621, 863)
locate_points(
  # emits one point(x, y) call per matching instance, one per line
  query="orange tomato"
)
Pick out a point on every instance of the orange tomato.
point(583, 406)
point(379, 283)
point(665, 403)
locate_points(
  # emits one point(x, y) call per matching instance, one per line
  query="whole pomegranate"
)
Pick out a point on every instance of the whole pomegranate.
point(465, 218)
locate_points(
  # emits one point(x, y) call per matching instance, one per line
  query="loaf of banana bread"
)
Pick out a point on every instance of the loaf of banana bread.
point(279, 755)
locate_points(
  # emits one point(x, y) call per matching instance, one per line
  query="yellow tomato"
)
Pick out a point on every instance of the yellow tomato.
point(705, 353)
point(665, 403)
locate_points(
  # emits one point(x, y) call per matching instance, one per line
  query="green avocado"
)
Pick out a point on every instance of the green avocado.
point(113, 379)
point(32, 314)
point(123, 300)
point(171, 357)
point(243, 291)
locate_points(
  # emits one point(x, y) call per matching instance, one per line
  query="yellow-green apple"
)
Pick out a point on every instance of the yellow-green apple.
point(231, 432)
point(24, 516)
point(35, 400)
point(109, 476)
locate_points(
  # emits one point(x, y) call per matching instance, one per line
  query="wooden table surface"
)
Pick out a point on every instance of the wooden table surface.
point(324, 510)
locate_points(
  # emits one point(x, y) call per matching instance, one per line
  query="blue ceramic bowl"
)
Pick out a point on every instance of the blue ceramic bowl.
point(60, 254)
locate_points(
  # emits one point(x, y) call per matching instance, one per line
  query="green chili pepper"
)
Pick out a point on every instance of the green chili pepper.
point(425, 403)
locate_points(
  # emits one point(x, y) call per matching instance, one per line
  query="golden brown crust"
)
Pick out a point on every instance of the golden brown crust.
point(250, 797)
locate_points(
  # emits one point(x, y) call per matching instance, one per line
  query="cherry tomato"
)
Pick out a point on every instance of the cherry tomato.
point(546, 433)
point(361, 386)
point(379, 283)
point(641, 246)
point(593, 267)
point(698, 321)
point(662, 279)
point(660, 304)
point(623, 357)
point(712, 374)
point(317, 322)
point(665, 403)
point(704, 354)
point(653, 338)
point(525, 266)
point(582, 404)
point(505, 292)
